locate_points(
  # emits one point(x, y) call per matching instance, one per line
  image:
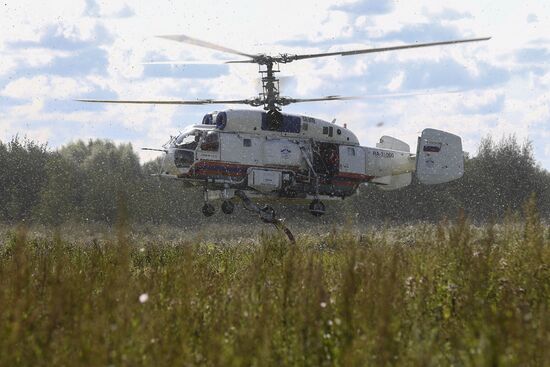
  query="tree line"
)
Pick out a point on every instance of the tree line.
point(85, 181)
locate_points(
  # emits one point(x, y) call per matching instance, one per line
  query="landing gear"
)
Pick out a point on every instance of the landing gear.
point(317, 208)
point(267, 214)
point(228, 207)
point(208, 210)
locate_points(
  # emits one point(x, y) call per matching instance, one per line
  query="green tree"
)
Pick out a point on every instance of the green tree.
point(61, 198)
point(23, 174)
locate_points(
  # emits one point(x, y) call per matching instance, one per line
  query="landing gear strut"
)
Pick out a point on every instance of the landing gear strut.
point(208, 209)
point(266, 213)
point(316, 208)
point(228, 207)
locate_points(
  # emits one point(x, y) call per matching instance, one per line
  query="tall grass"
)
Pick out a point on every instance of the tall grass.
point(424, 295)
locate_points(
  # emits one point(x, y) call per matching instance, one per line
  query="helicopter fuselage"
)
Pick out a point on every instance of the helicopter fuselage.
point(299, 158)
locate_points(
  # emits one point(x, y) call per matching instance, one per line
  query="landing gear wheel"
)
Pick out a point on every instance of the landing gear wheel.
point(208, 210)
point(228, 207)
point(317, 208)
point(267, 214)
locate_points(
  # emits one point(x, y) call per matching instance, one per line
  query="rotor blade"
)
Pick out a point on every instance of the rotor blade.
point(252, 102)
point(383, 49)
point(286, 101)
point(193, 41)
point(189, 62)
point(410, 94)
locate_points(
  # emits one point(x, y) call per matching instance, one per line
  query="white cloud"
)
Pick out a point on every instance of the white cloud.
point(45, 87)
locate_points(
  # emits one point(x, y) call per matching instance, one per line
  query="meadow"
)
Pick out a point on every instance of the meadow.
point(411, 295)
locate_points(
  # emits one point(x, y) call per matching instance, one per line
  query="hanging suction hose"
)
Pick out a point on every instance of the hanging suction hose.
point(267, 214)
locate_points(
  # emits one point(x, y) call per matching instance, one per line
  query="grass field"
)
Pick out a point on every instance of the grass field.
point(423, 295)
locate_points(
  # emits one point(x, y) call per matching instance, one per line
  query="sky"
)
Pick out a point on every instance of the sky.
point(54, 52)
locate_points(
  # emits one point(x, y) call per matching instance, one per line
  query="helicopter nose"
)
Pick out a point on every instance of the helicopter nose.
point(168, 163)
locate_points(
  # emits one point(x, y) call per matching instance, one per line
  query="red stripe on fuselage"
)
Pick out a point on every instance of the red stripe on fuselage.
point(205, 169)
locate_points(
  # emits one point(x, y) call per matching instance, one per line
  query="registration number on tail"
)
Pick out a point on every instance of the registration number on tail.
point(380, 154)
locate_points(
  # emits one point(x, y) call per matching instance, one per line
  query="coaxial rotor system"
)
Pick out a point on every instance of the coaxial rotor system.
point(270, 98)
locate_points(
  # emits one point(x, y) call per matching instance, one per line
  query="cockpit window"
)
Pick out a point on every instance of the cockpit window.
point(210, 142)
point(186, 144)
point(188, 140)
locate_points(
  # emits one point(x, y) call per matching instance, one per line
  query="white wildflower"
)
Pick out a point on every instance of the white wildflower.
point(144, 297)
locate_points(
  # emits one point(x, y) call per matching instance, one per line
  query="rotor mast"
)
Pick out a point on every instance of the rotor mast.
point(270, 85)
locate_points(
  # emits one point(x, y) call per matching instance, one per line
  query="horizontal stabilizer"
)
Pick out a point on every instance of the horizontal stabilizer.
point(388, 183)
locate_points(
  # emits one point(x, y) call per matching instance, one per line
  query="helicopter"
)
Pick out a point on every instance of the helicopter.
point(249, 153)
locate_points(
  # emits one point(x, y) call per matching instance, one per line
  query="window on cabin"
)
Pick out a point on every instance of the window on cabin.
point(247, 143)
point(304, 126)
point(351, 151)
point(330, 131)
point(288, 124)
point(325, 130)
point(210, 142)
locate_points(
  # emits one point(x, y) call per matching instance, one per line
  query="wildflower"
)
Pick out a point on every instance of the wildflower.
point(323, 304)
point(142, 250)
point(144, 297)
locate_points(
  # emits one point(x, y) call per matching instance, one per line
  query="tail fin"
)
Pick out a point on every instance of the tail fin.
point(439, 157)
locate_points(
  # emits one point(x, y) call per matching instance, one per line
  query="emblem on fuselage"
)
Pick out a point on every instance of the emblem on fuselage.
point(285, 153)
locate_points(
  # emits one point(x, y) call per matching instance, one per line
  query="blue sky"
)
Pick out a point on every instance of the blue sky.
point(54, 52)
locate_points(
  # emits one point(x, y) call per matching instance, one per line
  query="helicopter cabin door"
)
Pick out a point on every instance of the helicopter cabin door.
point(352, 159)
point(326, 159)
point(209, 146)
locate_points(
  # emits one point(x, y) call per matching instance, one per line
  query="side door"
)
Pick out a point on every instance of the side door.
point(352, 159)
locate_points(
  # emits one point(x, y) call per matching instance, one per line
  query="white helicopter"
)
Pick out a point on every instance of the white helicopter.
point(253, 153)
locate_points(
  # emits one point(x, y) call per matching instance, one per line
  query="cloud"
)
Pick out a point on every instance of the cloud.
point(92, 9)
point(110, 10)
point(533, 55)
point(55, 37)
point(448, 73)
point(480, 104)
point(451, 14)
point(365, 7)
point(185, 71)
point(532, 18)
point(78, 63)
point(125, 12)
point(41, 87)
point(422, 32)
